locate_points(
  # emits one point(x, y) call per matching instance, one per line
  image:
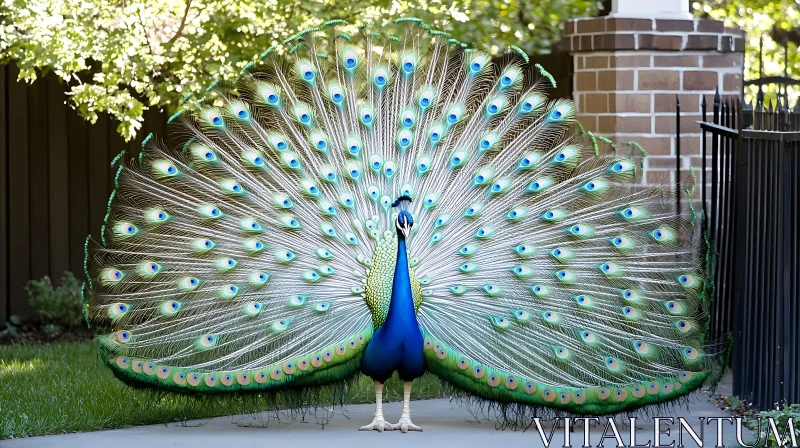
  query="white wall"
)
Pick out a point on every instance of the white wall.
point(646, 9)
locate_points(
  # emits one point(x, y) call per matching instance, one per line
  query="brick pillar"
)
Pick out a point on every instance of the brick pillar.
point(628, 71)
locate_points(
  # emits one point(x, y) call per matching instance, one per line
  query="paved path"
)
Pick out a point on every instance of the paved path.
point(445, 424)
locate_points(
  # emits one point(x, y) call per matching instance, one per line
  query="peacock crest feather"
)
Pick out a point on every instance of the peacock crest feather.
point(260, 254)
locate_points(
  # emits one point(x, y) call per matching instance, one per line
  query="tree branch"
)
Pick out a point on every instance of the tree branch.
point(183, 22)
point(146, 35)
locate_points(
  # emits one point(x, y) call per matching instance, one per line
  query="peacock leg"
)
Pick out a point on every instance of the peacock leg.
point(405, 424)
point(378, 423)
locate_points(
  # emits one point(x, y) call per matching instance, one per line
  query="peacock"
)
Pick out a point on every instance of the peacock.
point(377, 203)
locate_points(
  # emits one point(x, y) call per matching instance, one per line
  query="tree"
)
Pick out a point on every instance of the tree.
point(774, 21)
point(123, 56)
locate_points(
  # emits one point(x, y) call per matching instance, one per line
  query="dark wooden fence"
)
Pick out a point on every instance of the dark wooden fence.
point(54, 182)
point(560, 65)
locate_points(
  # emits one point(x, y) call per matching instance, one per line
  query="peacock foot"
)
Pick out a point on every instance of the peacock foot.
point(378, 424)
point(405, 424)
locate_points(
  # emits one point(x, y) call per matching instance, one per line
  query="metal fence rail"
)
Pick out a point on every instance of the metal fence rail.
point(751, 221)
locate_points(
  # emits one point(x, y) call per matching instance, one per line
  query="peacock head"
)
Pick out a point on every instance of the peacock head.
point(405, 222)
point(404, 219)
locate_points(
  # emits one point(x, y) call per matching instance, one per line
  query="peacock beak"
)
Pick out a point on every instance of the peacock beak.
point(406, 229)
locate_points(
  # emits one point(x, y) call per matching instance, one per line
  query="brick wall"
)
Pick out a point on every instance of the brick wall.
point(629, 71)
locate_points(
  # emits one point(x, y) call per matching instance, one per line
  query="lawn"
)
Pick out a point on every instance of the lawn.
point(64, 387)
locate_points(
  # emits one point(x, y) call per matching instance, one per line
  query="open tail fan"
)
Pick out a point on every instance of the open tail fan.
point(260, 254)
point(575, 290)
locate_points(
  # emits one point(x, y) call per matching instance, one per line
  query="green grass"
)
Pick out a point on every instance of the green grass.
point(64, 387)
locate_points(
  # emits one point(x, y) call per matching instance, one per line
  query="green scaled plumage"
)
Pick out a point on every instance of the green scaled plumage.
point(260, 257)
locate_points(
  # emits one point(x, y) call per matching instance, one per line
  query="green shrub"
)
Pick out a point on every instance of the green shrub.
point(781, 417)
point(60, 306)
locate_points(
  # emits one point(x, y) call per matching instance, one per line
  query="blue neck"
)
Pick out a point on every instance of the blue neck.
point(401, 306)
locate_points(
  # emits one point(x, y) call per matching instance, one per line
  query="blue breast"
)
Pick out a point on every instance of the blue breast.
point(398, 344)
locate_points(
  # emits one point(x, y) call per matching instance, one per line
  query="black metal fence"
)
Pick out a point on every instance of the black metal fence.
point(750, 216)
point(719, 209)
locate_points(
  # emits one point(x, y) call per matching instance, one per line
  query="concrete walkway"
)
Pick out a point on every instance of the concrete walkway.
point(445, 424)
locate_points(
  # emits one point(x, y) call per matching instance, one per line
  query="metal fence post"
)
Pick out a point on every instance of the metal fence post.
point(703, 173)
point(679, 193)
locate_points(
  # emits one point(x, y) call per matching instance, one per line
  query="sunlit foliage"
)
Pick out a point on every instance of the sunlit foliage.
point(123, 56)
point(774, 21)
